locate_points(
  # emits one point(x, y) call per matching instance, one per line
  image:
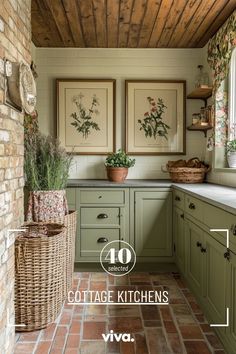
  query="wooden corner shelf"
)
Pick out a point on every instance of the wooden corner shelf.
point(201, 93)
point(200, 128)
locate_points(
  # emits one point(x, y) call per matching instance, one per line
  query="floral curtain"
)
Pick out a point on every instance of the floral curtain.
point(219, 54)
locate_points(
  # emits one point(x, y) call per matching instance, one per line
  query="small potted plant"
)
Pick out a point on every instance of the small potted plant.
point(117, 165)
point(231, 153)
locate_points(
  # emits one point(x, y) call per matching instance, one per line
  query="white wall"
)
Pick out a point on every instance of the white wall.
point(119, 64)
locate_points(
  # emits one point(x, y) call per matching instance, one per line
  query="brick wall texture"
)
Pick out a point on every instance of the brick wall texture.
point(15, 45)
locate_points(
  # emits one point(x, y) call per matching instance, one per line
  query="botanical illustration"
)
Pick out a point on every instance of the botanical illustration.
point(152, 124)
point(84, 118)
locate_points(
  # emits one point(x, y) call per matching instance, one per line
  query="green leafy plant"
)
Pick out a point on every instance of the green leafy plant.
point(46, 164)
point(119, 159)
point(231, 146)
point(152, 124)
point(83, 118)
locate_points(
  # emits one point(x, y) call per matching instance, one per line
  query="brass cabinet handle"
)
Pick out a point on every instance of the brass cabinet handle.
point(177, 198)
point(182, 216)
point(102, 216)
point(102, 240)
point(199, 244)
point(203, 250)
point(192, 206)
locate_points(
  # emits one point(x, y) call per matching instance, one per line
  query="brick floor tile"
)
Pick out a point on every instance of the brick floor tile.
point(165, 313)
point(123, 310)
point(90, 347)
point(150, 312)
point(24, 348)
point(191, 332)
point(98, 285)
point(175, 343)
point(43, 347)
point(127, 348)
point(73, 341)
point(93, 330)
point(200, 318)
point(195, 307)
point(60, 337)
point(205, 327)
point(75, 327)
point(196, 347)
point(29, 336)
point(141, 344)
point(96, 310)
point(66, 317)
point(214, 341)
point(113, 347)
point(57, 351)
point(121, 325)
point(49, 332)
point(150, 323)
point(98, 276)
point(71, 351)
point(170, 327)
point(156, 341)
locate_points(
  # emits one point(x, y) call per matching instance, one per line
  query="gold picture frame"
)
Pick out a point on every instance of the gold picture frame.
point(155, 117)
point(86, 115)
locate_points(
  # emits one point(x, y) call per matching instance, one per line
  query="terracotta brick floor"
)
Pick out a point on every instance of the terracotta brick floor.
point(178, 328)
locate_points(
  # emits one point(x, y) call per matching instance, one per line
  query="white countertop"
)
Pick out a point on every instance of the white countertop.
point(220, 196)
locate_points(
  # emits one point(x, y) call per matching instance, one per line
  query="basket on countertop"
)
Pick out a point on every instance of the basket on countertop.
point(191, 171)
point(39, 270)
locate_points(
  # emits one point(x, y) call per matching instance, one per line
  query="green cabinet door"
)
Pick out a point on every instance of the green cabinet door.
point(231, 302)
point(215, 280)
point(153, 224)
point(179, 238)
point(194, 257)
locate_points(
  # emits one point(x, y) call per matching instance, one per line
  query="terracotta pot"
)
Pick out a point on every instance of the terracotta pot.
point(117, 174)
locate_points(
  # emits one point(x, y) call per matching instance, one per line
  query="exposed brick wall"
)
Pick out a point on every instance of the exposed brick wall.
point(15, 45)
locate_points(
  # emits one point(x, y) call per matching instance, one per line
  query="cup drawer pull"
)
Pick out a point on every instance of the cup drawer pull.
point(102, 216)
point(192, 206)
point(177, 198)
point(102, 240)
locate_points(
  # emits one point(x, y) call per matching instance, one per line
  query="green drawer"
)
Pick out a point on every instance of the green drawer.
point(90, 247)
point(178, 199)
point(194, 207)
point(102, 197)
point(93, 217)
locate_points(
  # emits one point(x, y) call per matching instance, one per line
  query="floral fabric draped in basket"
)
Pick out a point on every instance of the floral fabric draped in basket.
point(219, 54)
point(47, 205)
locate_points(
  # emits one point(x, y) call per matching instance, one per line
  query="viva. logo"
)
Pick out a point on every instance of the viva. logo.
point(112, 337)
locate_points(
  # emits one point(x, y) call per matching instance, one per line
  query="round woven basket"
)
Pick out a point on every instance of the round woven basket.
point(187, 174)
point(39, 270)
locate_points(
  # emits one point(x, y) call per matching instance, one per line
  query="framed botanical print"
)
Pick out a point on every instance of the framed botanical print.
point(155, 117)
point(86, 115)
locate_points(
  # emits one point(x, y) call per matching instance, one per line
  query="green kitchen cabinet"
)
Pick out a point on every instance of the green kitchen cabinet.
point(152, 223)
point(71, 198)
point(179, 238)
point(215, 279)
point(194, 256)
point(231, 302)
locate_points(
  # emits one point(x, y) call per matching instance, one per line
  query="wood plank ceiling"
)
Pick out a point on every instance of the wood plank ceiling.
point(127, 23)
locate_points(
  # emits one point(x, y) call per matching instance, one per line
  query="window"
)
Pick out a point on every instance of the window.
point(232, 97)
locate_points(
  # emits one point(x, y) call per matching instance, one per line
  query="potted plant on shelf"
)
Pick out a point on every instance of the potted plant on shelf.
point(231, 153)
point(46, 167)
point(117, 165)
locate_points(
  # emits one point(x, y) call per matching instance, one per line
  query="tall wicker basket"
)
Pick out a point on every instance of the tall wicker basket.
point(69, 221)
point(39, 263)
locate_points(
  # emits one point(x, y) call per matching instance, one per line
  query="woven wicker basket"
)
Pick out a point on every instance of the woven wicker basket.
point(191, 171)
point(39, 261)
point(70, 223)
